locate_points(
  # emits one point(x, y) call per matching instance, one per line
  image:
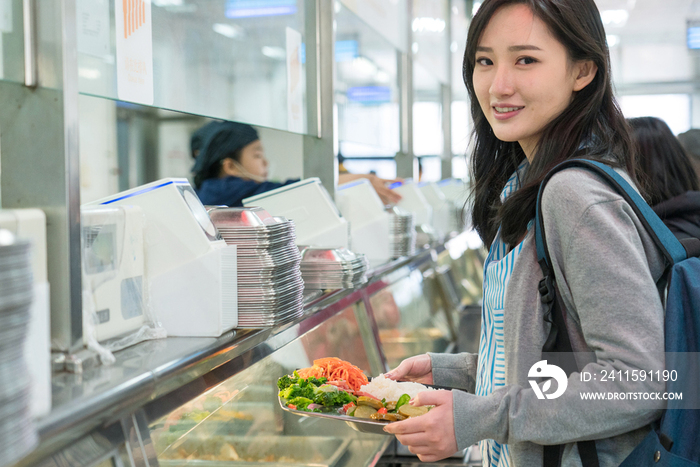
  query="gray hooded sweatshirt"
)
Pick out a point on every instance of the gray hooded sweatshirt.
point(606, 267)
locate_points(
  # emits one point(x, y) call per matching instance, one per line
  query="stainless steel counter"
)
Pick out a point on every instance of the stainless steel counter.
point(100, 407)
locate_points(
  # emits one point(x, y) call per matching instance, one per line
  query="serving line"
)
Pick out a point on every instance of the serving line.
point(101, 398)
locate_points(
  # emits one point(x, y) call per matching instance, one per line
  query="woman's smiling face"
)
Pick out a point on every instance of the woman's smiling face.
point(523, 77)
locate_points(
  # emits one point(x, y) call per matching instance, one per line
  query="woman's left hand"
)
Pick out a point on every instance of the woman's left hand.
point(431, 436)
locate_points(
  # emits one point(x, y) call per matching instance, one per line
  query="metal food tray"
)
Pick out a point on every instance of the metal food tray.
point(362, 425)
point(313, 451)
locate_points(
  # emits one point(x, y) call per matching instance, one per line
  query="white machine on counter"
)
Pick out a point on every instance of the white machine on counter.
point(30, 224)
point(369, 222)
point(113, 270)
point(316, 218)
point(413, 200)
point(190, 271)
point(443, 211)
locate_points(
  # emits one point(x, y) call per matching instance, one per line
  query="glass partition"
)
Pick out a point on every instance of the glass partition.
point(228, 59)
point(411, 318)
point(240, 420)
point(431, 43)
point(11, 41)
point(386, 17)
point(427, 114)
point(366, 91)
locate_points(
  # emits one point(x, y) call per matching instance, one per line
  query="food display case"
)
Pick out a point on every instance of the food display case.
point(212, 402)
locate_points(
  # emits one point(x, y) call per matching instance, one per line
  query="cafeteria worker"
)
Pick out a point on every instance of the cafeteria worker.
point(230, 165)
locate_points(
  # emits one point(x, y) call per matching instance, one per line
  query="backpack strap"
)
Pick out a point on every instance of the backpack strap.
point(664, 239)
point(558, 341)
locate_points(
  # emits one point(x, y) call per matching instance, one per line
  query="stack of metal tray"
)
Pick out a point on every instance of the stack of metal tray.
point(270, 287)
point(332, 268)
point(402, 234)
point(17, 432)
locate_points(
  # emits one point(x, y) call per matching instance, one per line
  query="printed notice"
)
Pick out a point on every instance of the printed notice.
point(295, 98)
point(134, 51)
point(5, 15)
point(93, 27)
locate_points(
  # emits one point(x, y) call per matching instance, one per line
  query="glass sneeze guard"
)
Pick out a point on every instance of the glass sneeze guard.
point(223, 59)
point(240, 422)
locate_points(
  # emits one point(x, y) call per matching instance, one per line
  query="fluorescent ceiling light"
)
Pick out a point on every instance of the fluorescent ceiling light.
point(364, 66)
point(167, 2)
point(612, 40)
point(228, 30)
point(436, 25)
point(89, 73)
point(475, 7)
point(382, 77)
point(614, 17)
point(278, 53)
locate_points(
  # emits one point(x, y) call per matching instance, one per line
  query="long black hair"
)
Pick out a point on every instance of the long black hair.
point(593, 119)
point(662, 164)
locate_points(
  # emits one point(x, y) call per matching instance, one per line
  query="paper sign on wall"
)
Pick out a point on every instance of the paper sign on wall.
point(134, 51)
point(295, 86)
point(5, 15)
point(93, 27)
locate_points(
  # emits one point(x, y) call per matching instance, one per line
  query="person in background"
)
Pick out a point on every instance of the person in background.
point(230, 165)
point(201, 135)
point(690, 140)
point(670, 182)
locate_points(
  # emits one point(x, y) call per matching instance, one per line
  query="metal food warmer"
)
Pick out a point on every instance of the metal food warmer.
point(213, 401)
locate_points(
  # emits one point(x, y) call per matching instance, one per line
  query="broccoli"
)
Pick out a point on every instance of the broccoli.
point(297, 390)
point(285, 381)
point(330, 396)
point(301, 403)
point(317, 381)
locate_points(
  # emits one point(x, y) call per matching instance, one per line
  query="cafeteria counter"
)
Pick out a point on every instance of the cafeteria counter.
point(195, 401)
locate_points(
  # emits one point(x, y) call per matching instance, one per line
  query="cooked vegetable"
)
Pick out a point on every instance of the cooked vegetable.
point(411, 411)
point(301, 403)
point(364, 411)
point(297, 390)
point(332, 397)
point(336, 369)
point(390, 406)
point(285, 381)
point(316, 381)
point(368, 401)
point(402, 400)
point(382, 411)
point(349, 408)
point(387, 417)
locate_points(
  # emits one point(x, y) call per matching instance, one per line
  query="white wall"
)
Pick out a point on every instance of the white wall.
point(174, 159)
point(99, 169)
point(285, 151)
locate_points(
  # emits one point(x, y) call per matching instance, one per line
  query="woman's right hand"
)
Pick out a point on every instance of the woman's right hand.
point(418, 369)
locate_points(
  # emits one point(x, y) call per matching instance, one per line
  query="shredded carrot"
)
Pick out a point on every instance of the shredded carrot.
point(336, 369)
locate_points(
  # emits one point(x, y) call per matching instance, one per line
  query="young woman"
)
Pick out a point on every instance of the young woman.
point(669, 180)
point(538, 75)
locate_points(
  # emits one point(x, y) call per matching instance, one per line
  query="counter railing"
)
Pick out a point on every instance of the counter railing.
point(96, 414)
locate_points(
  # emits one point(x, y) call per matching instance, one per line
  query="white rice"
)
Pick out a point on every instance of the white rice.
point(382, 387)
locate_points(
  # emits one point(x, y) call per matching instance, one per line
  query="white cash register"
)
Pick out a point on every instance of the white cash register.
point(190, 271)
